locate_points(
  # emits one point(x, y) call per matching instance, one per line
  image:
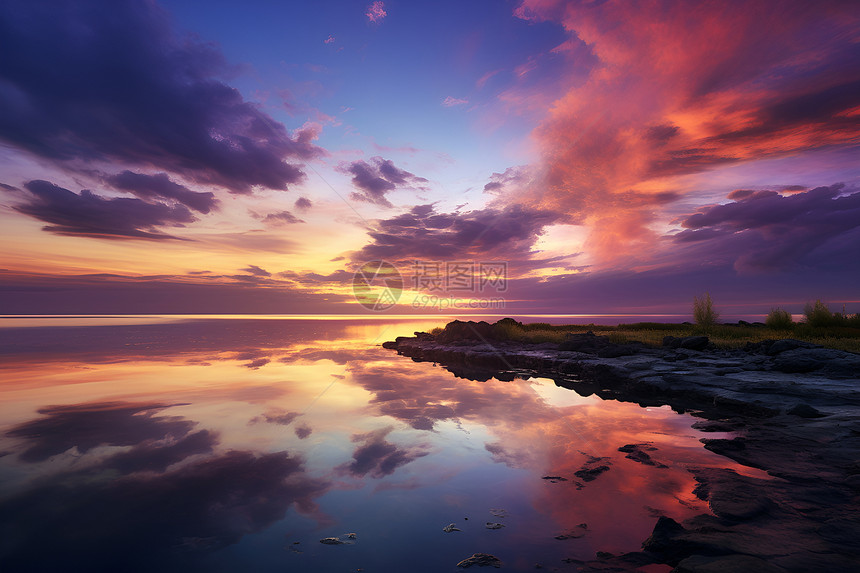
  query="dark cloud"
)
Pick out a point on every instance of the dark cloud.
point(377, 178)
point(303, 204)
point(157, 457)
point(86, 426)
point(766, 231)
point(378, 457)
point(423, 233)
point(96, 81)
point(91, 520)
point(90, 215)
point(281, 218)
point(303, 431)
point(257, 271)
point(160, 185)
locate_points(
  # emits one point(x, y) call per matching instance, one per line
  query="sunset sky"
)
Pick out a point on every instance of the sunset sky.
point(247, 157)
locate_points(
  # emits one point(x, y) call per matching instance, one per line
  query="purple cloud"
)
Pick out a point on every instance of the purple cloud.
point(377, 456)
point(90, 215)
point(95, 81)
point(422, 233)
point(377, 178)
point(303, 204)
point(160, 186)
point(764, 230)
point(281, 218)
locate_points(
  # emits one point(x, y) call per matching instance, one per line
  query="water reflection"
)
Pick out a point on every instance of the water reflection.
point(222, 445)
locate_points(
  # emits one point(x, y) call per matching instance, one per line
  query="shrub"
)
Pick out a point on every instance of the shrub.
point(818, 315)
point(436, 331)
point(703, 311)
point(779, 319)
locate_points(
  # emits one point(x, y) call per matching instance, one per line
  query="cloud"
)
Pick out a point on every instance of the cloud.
point(303, 204)
point(160, 185)
point(114, 83)
point(86, 426)
point(257, 271)
point(376, 12)
point(377, 178)
point(157, 456)
point(659, 103)
point(513, 177)
point(281, 218)
point(378, 457)
point(90, 215)
point(192, 511)
point(767, 231)
point(279, 417)
point(303, 431)
point(453, 101)
point(329, 40)
point(422, 233)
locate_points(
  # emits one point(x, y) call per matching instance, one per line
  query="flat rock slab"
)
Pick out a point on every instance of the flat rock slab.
point(480, 560)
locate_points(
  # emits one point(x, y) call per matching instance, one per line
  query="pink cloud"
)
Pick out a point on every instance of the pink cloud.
point(662, 102)
point(376, 12)
point(329, 40)
point(453, 101)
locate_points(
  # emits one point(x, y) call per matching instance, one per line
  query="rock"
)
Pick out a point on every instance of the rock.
point(458, 330)
point(636, 452)
point(498, 512)
point(725, 564)
point(554, 479)
point(450, 527)
point(351, 535)
point(575, 533)
point(805, 411)
point(694, 342)
point(590, 474)
point(780, 346)
point(802, 360)
point(331, 541)
point(604, 555)
point(491, 525)
point(481, 560)
point(671, 342)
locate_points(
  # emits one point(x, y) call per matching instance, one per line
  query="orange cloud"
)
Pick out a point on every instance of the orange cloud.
point(679, 91)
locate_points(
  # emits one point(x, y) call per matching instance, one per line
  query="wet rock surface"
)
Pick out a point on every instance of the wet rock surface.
point(794, 409)
point(480, 560)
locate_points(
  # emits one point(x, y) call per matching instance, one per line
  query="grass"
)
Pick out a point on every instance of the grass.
point(652, 333)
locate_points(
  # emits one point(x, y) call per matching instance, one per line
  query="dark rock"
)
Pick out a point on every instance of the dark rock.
point(806, 411)
point(636, 452)
point(780, 346)
point(458, 330)
point(662, 538)
point(605, 555)
point(481, 560)
point(671, 342)
point(575, 533)
point(694, 342)
point(800, 360)
point(590, 474)
point(554, 479)
point(331, 541)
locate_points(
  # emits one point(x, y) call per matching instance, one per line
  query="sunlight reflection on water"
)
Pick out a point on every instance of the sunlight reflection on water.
point(217, 445)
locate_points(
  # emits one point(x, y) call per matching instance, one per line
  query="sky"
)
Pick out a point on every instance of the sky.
point(557, 156)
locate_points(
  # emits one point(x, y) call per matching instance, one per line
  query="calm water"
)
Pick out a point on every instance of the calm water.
point(236, 445)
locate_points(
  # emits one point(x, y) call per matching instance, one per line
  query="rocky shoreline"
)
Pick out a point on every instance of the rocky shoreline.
point(794, 410)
